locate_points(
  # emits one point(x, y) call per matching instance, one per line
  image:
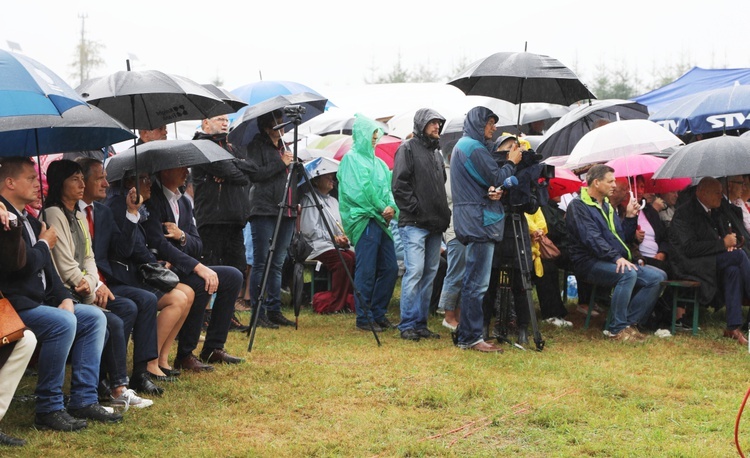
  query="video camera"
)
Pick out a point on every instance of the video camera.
point(530, 193)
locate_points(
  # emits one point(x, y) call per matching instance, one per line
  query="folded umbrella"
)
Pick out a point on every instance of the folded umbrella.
point(165, 154)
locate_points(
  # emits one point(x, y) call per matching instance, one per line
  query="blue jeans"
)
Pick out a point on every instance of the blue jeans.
point(475, 283)
point(61, 333)
point(376, 274)
point(262, 229)
point(421, 259)
point(454, 276)
point(635, 291)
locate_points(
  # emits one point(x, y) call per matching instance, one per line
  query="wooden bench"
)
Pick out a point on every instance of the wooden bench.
point(317, 275)
point(684, 292)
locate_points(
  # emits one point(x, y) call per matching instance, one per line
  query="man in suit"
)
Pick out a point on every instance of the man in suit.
point(170, 230)
point(62, 328)
point(706, 250)
point(107, 238)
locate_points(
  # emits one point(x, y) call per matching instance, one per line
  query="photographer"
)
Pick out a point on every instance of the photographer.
point(519, 198)
point(478, 217)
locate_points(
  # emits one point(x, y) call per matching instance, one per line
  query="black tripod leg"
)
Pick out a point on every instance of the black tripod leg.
point(521, 250)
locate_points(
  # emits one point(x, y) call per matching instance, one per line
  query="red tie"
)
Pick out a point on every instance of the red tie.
point(90, 219)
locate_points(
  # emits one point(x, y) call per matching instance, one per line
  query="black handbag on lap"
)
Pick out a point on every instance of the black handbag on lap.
point(158, 276)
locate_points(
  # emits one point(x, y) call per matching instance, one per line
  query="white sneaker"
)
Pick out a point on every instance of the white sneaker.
point(448, 325)
point(559, 322)
point(131, 399)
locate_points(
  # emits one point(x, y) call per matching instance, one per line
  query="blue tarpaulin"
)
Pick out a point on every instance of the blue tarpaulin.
point(694, 80)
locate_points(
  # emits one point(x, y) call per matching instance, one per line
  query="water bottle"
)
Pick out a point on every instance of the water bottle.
point(572, 288)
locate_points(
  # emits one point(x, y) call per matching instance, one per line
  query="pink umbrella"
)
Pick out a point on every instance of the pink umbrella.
point(646, 165)
point(385, 149)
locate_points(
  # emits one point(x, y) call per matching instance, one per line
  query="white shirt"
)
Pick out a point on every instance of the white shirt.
point(173, 199)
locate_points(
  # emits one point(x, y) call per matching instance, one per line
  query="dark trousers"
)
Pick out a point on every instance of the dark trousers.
point(114, 365)
point(437, 284)
point(548, 291)
point(230, 282)
point(141, 325)
point(223, 245)
point(734, 271)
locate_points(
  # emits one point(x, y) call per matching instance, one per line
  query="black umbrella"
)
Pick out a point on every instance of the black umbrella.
point(242, 130)
point(522, 77)
point(230, 99)
point(562, 136)
point(149, 99)
point(165, 154)
point(714, 157)
point(298, 252)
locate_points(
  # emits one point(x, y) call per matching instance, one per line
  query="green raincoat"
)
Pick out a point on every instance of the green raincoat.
point(364, 182)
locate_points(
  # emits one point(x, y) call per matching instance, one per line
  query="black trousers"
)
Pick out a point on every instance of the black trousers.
point(223, 245)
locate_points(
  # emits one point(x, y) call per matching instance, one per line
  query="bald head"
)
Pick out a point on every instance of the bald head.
point(708, 192)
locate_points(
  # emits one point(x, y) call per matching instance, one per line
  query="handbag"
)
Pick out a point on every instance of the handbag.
point(11, 325)
point(547, 248)
point(158, 276)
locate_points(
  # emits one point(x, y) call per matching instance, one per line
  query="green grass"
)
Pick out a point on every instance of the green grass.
point(327, 389)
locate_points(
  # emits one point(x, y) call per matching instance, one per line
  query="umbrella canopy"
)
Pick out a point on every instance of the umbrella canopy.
point(227, 97)
point(564, 182)
point(244, 128)
point(717, 110)
point(714, 157)
point(322, 166)
point(385, 149)
point(149, 99)
point(29, 88)
point(521, 77)
point(165, 154)
point(621, 138)
point(645, 165)
point(564, 134)
point(260, 91)
point(308, 154)
point(82, 127)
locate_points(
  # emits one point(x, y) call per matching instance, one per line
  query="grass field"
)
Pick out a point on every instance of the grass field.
point(328, 390)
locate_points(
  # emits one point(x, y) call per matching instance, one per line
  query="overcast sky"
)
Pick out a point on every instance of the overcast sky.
point(338, 43)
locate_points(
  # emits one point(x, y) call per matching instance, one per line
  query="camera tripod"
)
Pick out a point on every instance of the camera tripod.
point(505, 290)
point(294, 112)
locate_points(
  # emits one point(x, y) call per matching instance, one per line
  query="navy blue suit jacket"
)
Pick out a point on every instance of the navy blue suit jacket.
point(124, 263)
point(24, 287)
point(183, 258)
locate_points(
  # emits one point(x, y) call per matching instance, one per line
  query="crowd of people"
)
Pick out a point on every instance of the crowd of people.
point(77, 285)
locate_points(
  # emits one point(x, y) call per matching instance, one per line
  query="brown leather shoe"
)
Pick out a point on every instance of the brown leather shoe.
point(191, 363)
point(737, 335)
point(218, 355)
point(486, 347)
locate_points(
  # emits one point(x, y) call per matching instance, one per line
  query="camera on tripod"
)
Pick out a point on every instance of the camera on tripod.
point(294, 110)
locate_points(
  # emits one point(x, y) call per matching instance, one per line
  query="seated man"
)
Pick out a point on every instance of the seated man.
point(170, 231)
point(706, 251)
point(600, 255)
point(46, 307)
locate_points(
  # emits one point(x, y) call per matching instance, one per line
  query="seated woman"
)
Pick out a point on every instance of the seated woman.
point(313, 228)
point(75, 263)
point(174, 305)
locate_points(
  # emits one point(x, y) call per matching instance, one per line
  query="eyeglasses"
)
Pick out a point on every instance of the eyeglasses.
point(146, 179)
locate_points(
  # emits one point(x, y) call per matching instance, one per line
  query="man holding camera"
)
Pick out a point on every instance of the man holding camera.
point(478, 217)
point(418, 187)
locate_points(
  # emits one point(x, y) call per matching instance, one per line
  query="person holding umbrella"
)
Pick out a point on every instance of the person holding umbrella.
point(478, 217)
point(268, 162)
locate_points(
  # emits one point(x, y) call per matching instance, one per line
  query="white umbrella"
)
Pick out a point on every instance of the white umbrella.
point(621, 138)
